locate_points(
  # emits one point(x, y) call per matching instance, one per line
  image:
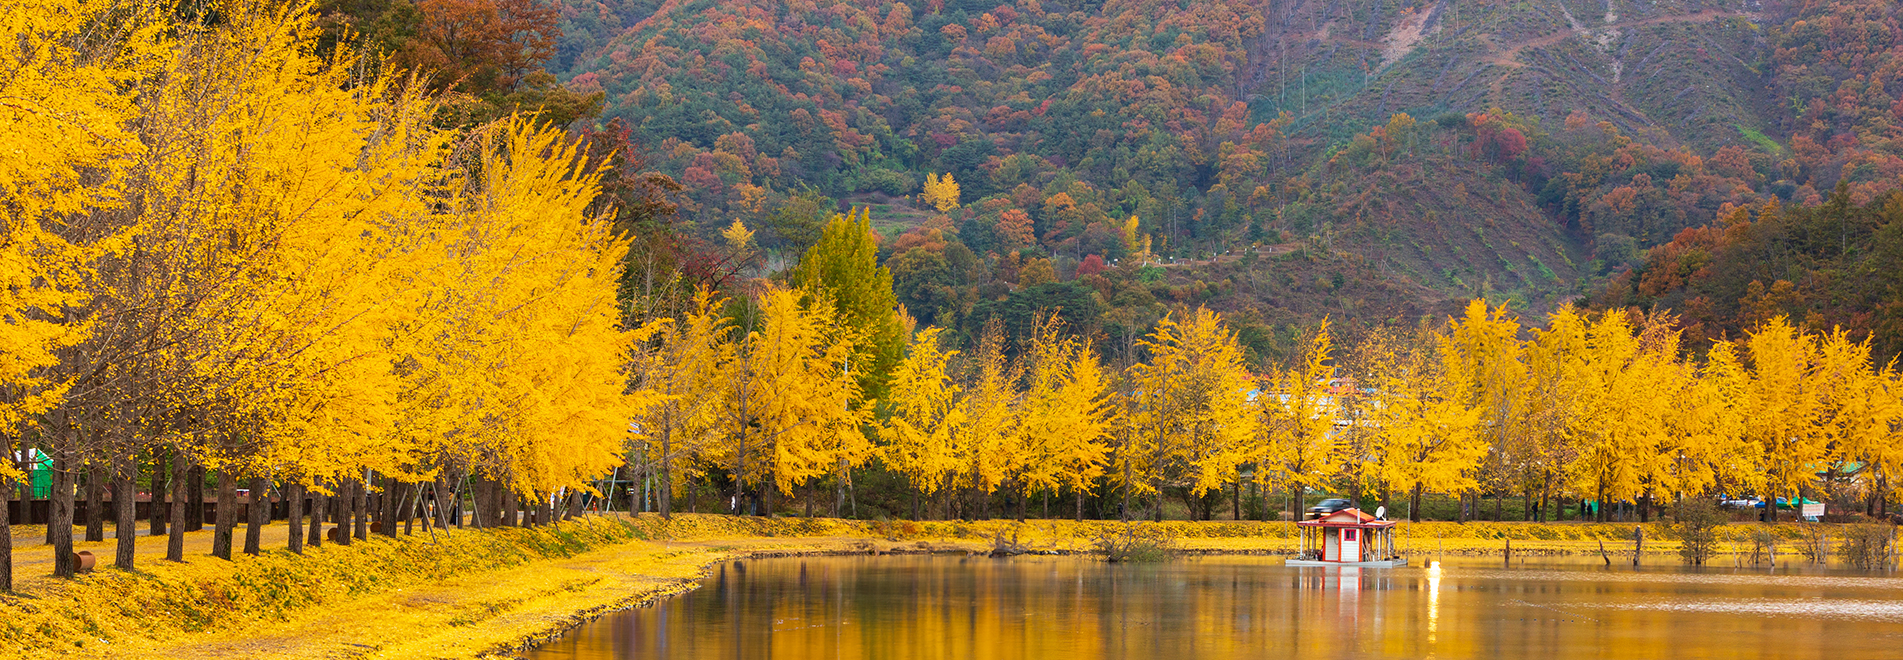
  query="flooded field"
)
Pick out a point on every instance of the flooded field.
point(1234, 607)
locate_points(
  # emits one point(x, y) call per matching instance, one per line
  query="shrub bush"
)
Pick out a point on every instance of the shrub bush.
point(1869, 546)
point(1698, 523)
point(1136, 543)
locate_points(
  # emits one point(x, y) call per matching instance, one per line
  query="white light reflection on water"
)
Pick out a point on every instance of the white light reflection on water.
point(1433, 601)
point(1678, 578)
point(1814, 608)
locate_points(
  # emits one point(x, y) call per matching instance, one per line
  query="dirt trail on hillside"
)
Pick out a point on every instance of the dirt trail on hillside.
point(1507, 55)
point(1504, 54)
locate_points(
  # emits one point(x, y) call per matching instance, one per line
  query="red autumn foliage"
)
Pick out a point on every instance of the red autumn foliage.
point(1092, 265)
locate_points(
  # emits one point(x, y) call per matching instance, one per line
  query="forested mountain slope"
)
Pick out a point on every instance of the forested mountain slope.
point(1445, 149)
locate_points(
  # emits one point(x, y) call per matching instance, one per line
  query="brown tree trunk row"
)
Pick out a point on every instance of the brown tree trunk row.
point(6, 524)
point(125, 524)
point(178, 506)
point(62, 518)
point(161, 469)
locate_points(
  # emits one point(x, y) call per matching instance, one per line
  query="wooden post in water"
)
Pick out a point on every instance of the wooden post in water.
point(1508, 555)
point(1602, 553)
point(1638, 544)
point(1891, 565)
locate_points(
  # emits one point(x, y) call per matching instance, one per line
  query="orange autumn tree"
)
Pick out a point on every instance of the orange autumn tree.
point(479, 46)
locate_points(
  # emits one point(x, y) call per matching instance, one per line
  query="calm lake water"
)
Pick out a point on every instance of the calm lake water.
point(1234, 607)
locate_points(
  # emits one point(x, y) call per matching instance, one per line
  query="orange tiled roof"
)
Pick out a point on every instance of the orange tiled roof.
point(1348, 517)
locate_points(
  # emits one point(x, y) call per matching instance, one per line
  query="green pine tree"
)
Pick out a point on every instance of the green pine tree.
point(843, 267)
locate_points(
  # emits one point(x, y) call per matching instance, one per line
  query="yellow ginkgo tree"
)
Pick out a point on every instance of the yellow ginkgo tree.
point(1428, 438)
point(991, 409)
point(64, 152)
point(1193, 422)
point(940, 192)
point(1782, 405)
point(680, 368)
point(793, 410)
point(1064, 416)
point(1298, 412)
point(927, 422)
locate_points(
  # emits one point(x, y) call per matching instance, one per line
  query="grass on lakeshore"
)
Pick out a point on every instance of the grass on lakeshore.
point(96, 612)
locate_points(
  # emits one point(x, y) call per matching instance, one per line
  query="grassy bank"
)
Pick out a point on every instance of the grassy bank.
point(474, 593)
point(164, 601)
point(1411, 538)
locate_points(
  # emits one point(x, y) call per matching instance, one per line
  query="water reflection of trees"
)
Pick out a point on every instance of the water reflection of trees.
point(1232, 607)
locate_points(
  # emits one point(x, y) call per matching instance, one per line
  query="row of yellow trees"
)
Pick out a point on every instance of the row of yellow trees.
point(1047, 417)
point(1603, 407)
point(223, 251)
point(1610, 408)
